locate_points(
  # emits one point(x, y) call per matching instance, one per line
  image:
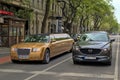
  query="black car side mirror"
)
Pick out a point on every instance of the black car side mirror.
point(112, 40)
point(76, 39)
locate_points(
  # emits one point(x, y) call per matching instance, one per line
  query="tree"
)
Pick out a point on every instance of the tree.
point(47, 10)
point(93, 16)
point(69, 11)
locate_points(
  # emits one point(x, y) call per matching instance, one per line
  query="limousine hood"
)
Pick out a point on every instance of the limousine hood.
point(29, 45)
point(92, 44)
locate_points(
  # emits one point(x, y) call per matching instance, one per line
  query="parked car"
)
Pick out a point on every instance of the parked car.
point(75, 36)
point(41, 47)
point(95, 46)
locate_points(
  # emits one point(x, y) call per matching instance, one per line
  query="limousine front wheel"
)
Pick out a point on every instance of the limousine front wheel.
point(46, 57)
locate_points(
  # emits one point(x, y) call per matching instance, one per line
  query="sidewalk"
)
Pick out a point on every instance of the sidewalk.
point(4, 50)
point(4, 55)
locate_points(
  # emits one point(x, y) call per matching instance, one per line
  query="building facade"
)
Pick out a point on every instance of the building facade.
point(27, 15)
point(54, 21)
point(12, 28)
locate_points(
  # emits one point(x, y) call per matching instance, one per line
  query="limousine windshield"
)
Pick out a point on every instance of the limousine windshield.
point(37, 38)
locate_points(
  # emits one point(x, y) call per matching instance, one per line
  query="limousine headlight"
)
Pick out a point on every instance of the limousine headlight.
point(35, 49)
point(14, 49)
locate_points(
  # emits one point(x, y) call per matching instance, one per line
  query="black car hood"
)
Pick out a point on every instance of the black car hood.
point(92, 44)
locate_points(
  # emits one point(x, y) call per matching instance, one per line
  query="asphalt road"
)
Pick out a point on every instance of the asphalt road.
point(62, 68)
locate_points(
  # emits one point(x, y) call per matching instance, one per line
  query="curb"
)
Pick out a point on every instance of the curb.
point(4, 50)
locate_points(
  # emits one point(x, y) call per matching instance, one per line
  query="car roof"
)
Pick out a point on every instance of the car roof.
point(96, 32)
point(47, 34)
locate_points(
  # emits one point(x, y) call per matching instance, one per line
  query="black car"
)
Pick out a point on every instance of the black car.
point(93, 46)
point(74, 36)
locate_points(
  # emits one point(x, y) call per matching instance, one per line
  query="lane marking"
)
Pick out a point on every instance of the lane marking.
point(65, 74)
point(12, 71)
point(117, 60)
point(47, 69)
point(5, 59)
point(87, 75)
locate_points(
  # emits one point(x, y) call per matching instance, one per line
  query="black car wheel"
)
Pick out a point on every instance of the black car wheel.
point(46, 57)
point(75, 62)
point(109, 62)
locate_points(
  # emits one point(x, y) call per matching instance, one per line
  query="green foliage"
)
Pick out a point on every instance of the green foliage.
point(99, 13)
point(24, 12)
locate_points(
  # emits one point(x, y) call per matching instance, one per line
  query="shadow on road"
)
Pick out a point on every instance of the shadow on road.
point(99, 64)
point(40, 62)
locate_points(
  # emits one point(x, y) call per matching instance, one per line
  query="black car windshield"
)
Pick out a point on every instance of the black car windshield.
point(37, 38)
point(94, 37)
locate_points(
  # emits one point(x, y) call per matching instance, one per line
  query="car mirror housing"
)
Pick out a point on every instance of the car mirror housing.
point(22, 40)
point(112, 40)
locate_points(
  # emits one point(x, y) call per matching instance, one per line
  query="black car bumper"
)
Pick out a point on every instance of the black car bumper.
point(103, 57)
point(79, 58)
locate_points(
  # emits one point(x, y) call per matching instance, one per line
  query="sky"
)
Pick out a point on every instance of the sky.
point(116, 4)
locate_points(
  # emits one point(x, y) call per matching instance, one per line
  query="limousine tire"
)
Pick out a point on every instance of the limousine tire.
point(46, 56)
point(14, 61)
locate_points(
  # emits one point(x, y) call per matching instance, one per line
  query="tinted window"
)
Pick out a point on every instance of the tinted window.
point(61, 36)
point(94, 37)
point(37, 38)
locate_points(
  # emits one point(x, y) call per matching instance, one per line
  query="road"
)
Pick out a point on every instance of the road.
point(62, 68)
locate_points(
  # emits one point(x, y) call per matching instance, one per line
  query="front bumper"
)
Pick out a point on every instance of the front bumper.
point(91, 58)
point(101, 57)
point(33, 56)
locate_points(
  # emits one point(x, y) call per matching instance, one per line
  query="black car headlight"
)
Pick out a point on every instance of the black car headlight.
point(105, 50)
point(76, 48)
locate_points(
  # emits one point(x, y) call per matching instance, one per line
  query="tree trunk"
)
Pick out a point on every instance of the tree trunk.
point(44, 22)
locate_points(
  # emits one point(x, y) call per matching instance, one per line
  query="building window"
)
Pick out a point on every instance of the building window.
point(37, 4)
point(33, 3)
point(52, 6)
point(42, 4)
point(0, 6)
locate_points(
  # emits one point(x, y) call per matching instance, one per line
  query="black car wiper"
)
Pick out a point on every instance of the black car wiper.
point(91, 40)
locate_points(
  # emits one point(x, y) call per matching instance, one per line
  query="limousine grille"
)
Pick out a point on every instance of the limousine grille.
point(90, 51)
point(23, 51)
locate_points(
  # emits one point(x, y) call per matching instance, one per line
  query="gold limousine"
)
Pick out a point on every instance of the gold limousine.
point(41, 47)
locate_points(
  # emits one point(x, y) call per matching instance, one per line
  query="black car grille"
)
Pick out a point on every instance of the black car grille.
point(23, 51)
point(90, 51)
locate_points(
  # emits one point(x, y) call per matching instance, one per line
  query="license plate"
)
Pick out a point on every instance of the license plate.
point(90, 57)
point(23, 56)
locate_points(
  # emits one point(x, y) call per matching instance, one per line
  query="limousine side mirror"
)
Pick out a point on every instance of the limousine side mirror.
point(22, 40)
